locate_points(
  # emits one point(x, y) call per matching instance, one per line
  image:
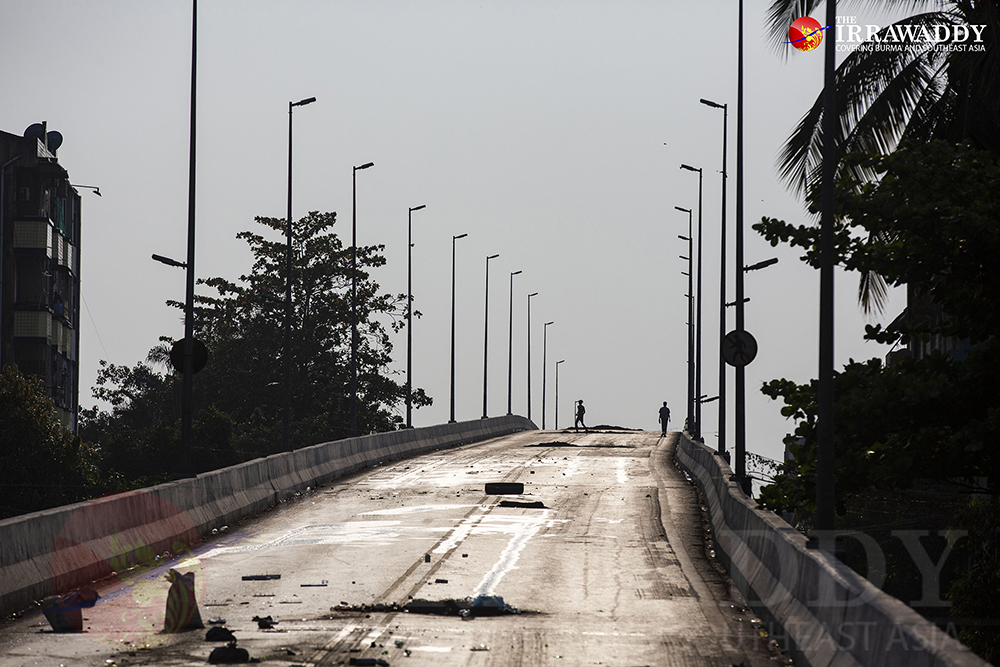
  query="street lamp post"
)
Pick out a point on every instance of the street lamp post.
point(286, 415)
point(545, 347)
point(187, 390)
point(409, 315)
point(529, 353)
point(722, 279)
point(354, 296)
point(510, 346)
point(697, 375)
point(486, 331)
point(825, 459)
point(557, 391)
point(453, 239)
point(690, 314)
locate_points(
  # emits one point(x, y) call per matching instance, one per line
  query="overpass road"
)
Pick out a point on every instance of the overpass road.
point(603, 556)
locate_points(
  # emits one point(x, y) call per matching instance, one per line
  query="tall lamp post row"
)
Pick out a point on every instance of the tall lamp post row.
point(286, 417)
point(696, 425)
point(510, 364)
point(690, 315)
point(739, 333)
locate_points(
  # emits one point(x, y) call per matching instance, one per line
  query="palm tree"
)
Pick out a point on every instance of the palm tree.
point(885, 98)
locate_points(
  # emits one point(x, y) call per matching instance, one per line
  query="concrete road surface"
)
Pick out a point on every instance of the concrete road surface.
point(602, 556)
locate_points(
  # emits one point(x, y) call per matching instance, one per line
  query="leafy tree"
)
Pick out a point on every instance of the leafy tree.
point(239, 394)
point(137, 437)
point(244, 328)
point(42, 464)
point(888, 97)
point(931, 221)
point(935, 213)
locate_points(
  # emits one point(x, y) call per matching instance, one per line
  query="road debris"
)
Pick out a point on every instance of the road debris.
point(63, 611)
point(504, 488)
point(265, 623)
point(228, 654)
point(182, 605)
point(218, 634)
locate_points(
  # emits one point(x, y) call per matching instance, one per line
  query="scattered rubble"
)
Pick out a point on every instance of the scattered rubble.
point(182, 605)
point(219, 634)
point(63, 611)
point(482, 605)
point(228, 654)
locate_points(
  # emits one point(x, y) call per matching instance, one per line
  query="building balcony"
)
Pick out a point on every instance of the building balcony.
point(34, 235)
point(33, 324)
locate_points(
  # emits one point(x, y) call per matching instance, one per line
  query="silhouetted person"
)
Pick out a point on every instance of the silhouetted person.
point(664, 418)
point(580, 411)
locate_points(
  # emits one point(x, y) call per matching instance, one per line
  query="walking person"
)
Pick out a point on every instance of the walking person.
point(580, 411)
point(664, 418)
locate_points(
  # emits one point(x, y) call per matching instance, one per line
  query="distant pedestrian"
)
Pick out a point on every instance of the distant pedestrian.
point(664, 418)
point(580, 411)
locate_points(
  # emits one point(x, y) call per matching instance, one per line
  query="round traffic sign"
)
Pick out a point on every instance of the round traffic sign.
point(177, 355)
point(738, 348)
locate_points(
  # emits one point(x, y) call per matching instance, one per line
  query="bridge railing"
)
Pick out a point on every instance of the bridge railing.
point(57, 550)
point(827, 614)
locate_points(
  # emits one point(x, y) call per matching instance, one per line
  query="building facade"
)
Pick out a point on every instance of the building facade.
point(40, 266)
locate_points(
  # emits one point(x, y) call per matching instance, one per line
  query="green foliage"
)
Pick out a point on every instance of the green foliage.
point(890, 97)
point(42, 464)
point(931, 222)
point(974, 595)
point(136, 438)
point(239, 394)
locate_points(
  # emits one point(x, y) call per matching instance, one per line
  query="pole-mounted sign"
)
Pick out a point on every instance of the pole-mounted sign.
point(739, 348)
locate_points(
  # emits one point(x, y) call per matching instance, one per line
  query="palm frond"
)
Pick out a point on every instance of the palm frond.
point(876, 94)
point(872, 293)
point(782, 13)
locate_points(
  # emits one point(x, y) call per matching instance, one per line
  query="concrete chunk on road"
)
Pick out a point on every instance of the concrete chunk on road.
point(504, 488)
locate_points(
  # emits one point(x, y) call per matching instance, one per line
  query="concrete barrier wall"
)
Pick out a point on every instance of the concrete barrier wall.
point(60, 549)
point(829, 614)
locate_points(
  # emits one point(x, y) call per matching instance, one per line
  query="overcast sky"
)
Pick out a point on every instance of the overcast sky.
point(551, 132)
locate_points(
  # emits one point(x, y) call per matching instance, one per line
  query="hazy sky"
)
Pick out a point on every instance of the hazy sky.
point(549, 131)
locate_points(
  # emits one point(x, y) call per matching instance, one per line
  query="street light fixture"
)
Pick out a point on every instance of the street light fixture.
point(557, 392)
point(286, 416)
point(97, 190)
point(510, 346)
point(529, 353)
point(409, 315)
point(690, 322)
point(545, 347)
point(354, 296)
point(761, 265)
point(722, 278)
point(453, 239)
point(169, 262)
point(486, 331)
